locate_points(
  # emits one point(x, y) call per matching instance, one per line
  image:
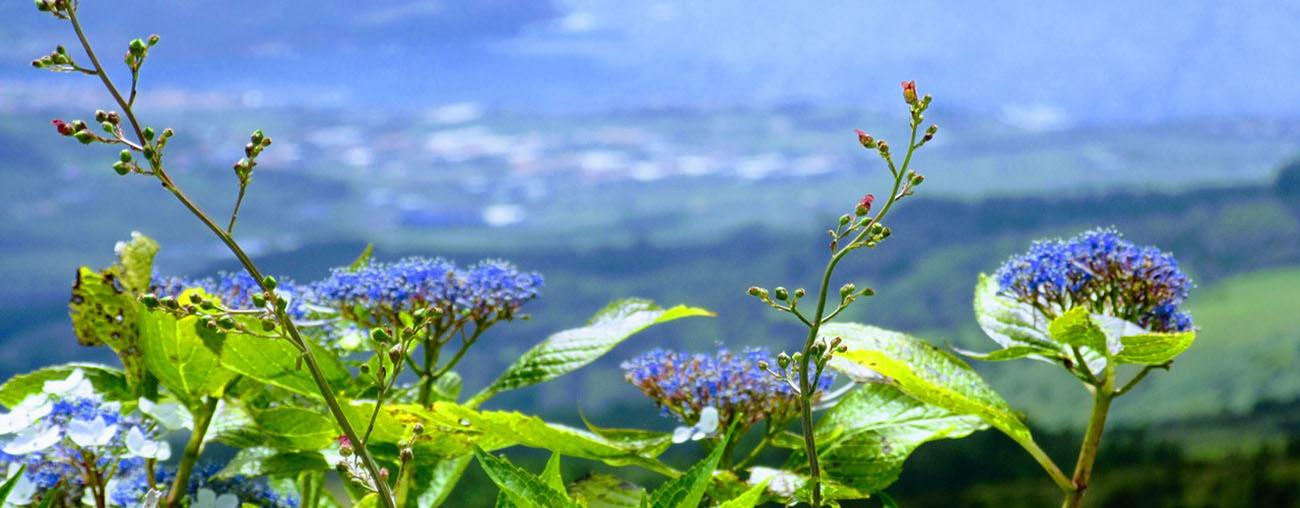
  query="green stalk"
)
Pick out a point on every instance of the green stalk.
point(806, 383)
point(1091, 443)
point(192, 450)
point(385, 492)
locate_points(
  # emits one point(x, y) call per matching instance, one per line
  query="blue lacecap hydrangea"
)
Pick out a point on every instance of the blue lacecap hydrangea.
point(490, 286)
point(55, 465)
point(683, 384)
point(256, 491)
point(1100, 269)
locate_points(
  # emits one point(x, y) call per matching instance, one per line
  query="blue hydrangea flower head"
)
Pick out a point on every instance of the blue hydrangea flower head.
point(1102, 270)
point(489, 288)
point(682, 385)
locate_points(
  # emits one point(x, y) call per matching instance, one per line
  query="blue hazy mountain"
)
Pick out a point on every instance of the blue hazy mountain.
point(1042, 64)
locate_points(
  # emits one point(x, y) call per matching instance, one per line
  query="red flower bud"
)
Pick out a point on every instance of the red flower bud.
point(866, 139)
point(63, 127)
point(909, 91)
point(864, 206)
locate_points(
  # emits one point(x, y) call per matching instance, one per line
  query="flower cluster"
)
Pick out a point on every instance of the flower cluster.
point(205, 489)
point(683, 385)
point(488, 288)
point(66, 434)
point(1103, 271)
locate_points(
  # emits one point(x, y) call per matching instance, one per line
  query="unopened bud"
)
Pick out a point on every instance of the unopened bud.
point(114, 118)
point(226, 322)
point(406, 454)
point(884, 148)
point(864, 205)
point(845, 220)
point(153, 39)
point(101, 115)
point(847, 290)
point(108, 127)
point(394, 353)
point(379, 335)
point(762, 364)
point(383, 473)
point(868, 292)
point(257, 137)
point(799, 293)
point(125, 156)
point(121, 168)
point(148, 133)
point(417, 429)
point(85, 137)
point(268, 282)
point(345, 450)
point(866, 139)
point(909, 92)
point(259, 300)
point(149, 301)
point(783, 360)
point(137, 47)
point(782, 294)
point(917, 179)
point(268, 325)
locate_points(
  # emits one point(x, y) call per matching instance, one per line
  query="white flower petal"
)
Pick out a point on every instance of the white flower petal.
point(708, 423)
point(95, 432)
point(682, 434)
point(74, 386)
point(227, 501)
point(171, 415)
point(140, 446)
point(32, 440)
point(22, 492)
point(25, 414)
point(152, 498)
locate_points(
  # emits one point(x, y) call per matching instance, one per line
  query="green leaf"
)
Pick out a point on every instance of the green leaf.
point(1011, 353)
point(865, 438)
point(749, 499)
point(108, 381)
point(927, 373)
point(9, 484)
point(1154, 348)
point(181, 354)
point(687, 490)
point(369, 501)
point(886, 501)
point(604, 491)
point(1076, 328)
point(523, 488)
point(649, 443)
point(104, 313)
point(276, 362)
point(569, 350)
point(551, 475)
point(1008, 322)
point(435, 486)
point(363, 259)
point(499, 429)
point(134, 264)
point(295, 428)
point(264, 461)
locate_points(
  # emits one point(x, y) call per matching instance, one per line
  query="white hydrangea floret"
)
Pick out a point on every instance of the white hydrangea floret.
point(141, 446)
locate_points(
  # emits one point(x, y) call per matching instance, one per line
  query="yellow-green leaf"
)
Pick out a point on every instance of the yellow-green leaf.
point(1154, 348)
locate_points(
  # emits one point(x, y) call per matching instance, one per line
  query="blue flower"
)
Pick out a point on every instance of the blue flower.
point(63, 425)
point(682, 385)
point(1101, 270)
point(256, 491)
point(489, 288)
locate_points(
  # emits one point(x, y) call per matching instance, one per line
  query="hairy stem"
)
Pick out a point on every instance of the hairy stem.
point(385, 493)
point(192, 450)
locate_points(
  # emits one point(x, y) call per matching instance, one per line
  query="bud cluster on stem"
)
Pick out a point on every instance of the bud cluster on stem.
point(853, 231)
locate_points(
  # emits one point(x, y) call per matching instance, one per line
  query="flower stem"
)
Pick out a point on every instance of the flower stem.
point(807, 383)
point(1091, 443)
point(192, 450)
point(327, 394)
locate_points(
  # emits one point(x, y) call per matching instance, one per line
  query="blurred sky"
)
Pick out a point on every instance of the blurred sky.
point(1048, 64)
